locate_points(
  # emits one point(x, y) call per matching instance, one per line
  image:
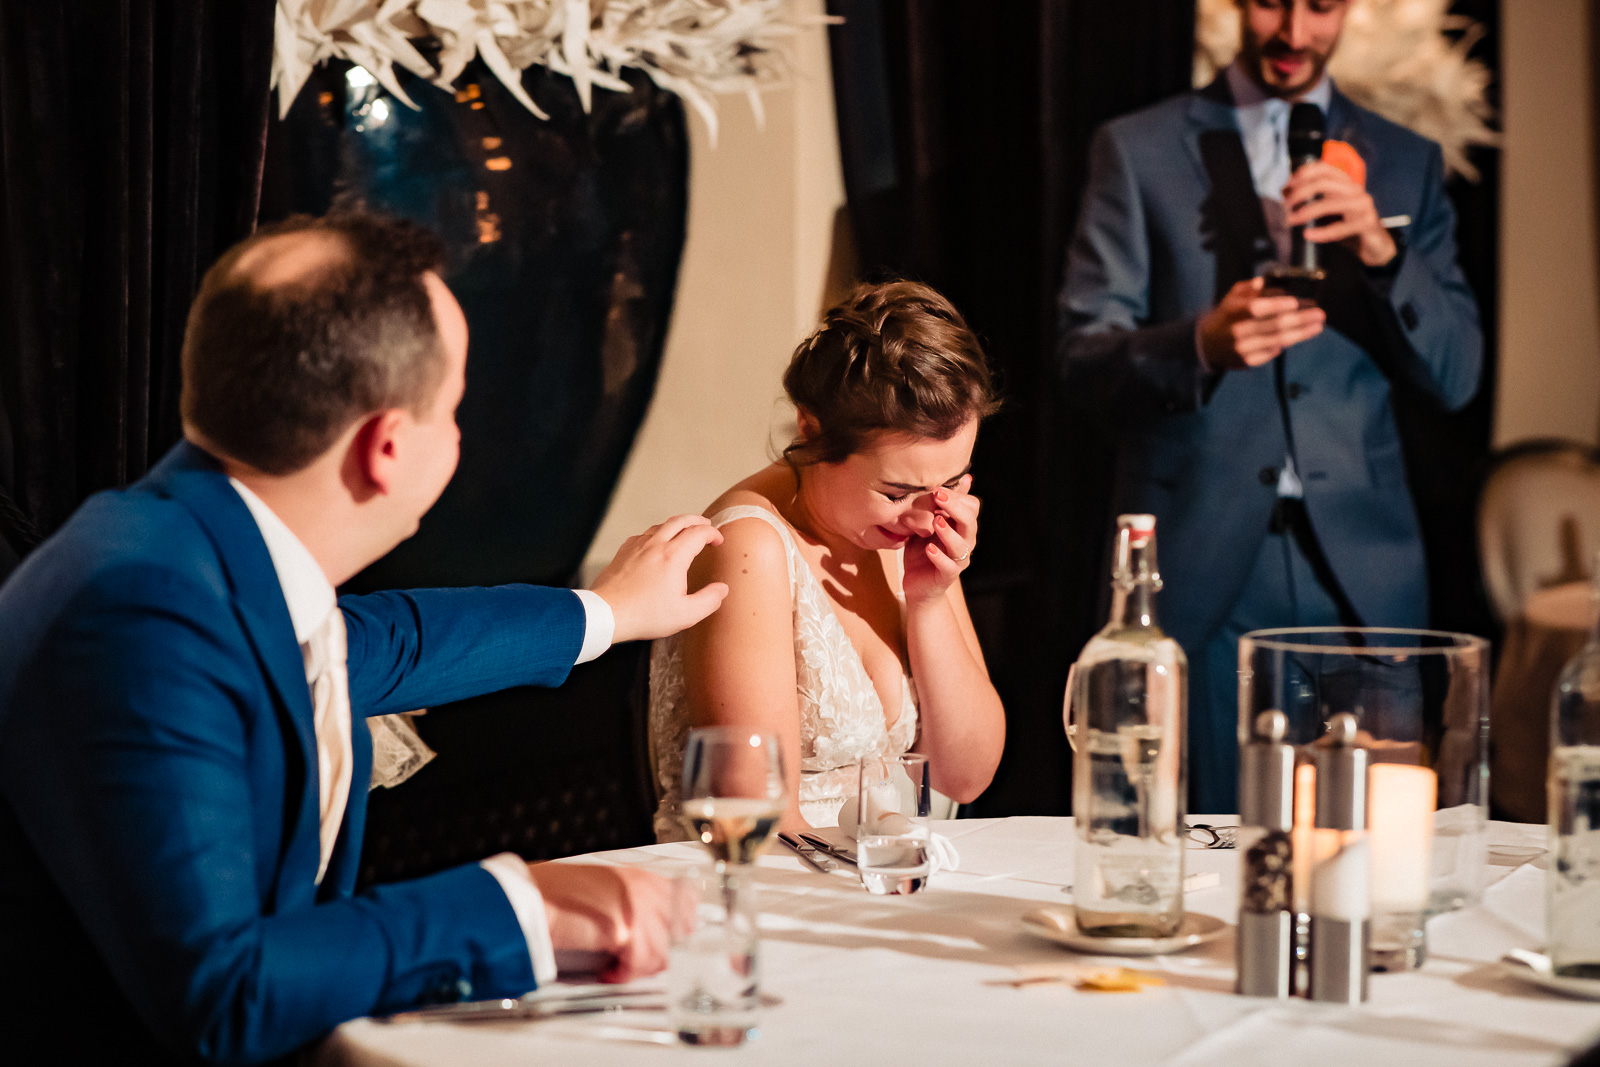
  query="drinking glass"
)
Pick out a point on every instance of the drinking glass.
point(733, 798)
point(1421, 701)
point(713, 976)
point(892, 828)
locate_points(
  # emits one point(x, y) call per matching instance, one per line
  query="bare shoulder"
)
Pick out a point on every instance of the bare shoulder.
point(752, 552)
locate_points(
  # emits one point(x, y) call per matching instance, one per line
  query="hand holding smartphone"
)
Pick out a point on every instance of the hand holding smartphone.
point(1302, 283)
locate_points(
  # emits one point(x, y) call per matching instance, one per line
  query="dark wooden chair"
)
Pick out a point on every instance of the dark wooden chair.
point(543, 773)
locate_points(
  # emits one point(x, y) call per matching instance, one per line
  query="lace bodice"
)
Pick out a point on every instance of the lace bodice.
point(841, 717)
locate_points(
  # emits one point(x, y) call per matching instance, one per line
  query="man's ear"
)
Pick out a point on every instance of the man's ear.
point(375, 453)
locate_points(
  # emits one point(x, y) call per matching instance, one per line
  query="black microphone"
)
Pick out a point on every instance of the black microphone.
point(1307, 128)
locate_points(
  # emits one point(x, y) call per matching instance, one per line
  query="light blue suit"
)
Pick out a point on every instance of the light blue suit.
point(158, 788)
point(1170, 221)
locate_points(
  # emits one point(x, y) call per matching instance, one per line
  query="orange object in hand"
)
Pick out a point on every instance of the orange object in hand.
point(1342, 155)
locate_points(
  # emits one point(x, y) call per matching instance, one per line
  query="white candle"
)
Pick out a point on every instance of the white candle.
point(1305, 809)
point(1339, 882)
point(1400, 816)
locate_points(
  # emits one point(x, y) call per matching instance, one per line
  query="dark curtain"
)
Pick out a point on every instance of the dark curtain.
point(964, 133)
point(1447, 453)
point(131, 144)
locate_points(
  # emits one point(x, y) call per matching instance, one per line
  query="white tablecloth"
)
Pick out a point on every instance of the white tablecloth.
point(926, 980)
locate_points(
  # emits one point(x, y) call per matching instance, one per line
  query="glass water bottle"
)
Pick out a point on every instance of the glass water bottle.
point(1127, 706)
point(1572, 915)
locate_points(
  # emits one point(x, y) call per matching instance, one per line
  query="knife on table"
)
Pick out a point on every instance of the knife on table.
point(530, 1008)
point(807, 852)
point(822, 844)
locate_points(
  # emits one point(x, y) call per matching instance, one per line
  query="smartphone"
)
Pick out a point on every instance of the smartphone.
point(1299, 282)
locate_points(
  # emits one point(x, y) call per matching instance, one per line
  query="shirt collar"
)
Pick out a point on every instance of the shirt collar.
point(1247, 94)
point(306, 590)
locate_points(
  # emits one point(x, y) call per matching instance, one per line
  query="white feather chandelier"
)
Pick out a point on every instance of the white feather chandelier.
point(1405, 59)
point(698, 49)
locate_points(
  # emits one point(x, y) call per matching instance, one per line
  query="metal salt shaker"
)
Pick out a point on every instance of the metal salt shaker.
point(1264, 946)
point(1341, 907)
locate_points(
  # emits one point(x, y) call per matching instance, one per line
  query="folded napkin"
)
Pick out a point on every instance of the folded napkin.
point(941, 850)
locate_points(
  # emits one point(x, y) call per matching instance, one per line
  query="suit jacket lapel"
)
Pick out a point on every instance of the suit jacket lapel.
point(1233, 227)
point(195, 479)
point(1344, 124)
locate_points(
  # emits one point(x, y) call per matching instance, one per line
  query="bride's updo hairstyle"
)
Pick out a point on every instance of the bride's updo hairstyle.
point(892, 357)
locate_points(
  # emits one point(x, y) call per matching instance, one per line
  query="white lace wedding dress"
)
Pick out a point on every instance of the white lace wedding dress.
point(841, 717)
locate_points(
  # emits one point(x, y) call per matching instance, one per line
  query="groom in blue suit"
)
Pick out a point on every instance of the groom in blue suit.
point(1260, 432)
point(183, 765)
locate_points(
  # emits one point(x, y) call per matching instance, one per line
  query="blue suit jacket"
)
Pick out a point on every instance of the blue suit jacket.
point(1170, 221)
point(158, 786)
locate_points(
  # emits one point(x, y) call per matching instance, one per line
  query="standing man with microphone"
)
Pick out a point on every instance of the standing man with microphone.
point(1257, 427)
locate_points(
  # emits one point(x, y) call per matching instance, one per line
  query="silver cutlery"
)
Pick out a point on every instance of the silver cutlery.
point(807, 852)
point(822, 844)
point(545, 1007)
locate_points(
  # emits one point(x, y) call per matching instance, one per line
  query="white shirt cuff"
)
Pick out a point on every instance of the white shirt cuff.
point(511, 871)
point(598, 628)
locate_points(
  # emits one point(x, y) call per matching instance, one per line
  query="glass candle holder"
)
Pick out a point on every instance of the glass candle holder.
point(1421, 702)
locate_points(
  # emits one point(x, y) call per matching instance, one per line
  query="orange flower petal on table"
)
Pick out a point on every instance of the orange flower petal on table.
point(1346, 158)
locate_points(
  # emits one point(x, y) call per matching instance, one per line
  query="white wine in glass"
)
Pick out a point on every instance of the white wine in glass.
point(733, 829)
point(733, 791)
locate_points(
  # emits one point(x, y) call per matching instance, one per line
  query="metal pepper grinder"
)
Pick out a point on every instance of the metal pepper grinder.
point(1264, 945)
point(1341, 907)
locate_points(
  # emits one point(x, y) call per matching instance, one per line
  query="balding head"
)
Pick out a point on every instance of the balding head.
point(306, 327)
point(297, 257)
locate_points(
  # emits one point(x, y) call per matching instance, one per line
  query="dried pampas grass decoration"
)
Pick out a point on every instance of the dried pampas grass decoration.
point(695, 48)
point(1405, 59)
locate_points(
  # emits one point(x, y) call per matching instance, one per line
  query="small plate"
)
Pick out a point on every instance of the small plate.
point(1058, 924)
point(1583, 988)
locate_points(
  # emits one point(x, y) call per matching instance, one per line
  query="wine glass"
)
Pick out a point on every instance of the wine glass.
point(733, 791)
point(733, 797)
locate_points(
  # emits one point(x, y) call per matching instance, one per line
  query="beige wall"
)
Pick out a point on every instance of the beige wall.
point(761, 215)
point(1549, 377)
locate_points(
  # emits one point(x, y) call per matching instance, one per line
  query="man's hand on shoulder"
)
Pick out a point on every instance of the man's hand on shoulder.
point(1249, 330)
point(647, 584)
point(623, 913)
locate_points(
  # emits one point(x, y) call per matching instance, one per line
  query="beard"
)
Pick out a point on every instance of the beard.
point(1260, 62)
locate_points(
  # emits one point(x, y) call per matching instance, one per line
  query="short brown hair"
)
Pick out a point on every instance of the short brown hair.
point(892, 357)
point(272, 375)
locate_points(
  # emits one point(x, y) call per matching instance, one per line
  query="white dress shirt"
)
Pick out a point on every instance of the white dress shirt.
point(319, 630)
point(1264, 128)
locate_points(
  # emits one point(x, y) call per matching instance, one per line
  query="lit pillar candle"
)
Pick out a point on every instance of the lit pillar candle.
point(1305, 807)
point(1401, 802)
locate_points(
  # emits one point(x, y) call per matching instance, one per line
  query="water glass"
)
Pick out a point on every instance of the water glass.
point(892, 825)
point(713, 976)
point(1421, 701)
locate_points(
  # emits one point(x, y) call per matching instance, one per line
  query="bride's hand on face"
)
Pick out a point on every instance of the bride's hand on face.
point(933, 561)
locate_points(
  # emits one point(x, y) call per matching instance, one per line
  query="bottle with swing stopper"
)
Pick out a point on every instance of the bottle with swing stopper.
point(1129, 690)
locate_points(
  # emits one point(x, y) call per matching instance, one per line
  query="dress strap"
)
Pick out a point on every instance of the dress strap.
point(791, 550)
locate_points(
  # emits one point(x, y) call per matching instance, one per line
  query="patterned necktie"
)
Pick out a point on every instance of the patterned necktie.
point(324, 654)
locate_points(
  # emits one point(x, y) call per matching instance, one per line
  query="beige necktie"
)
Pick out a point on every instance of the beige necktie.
point(324, 654)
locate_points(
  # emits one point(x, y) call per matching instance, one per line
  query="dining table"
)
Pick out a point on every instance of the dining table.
point(952, 975)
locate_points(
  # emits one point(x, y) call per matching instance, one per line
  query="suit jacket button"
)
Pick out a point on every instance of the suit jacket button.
point(1408, 315)
point(1295, 389)
point(1269, 475)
